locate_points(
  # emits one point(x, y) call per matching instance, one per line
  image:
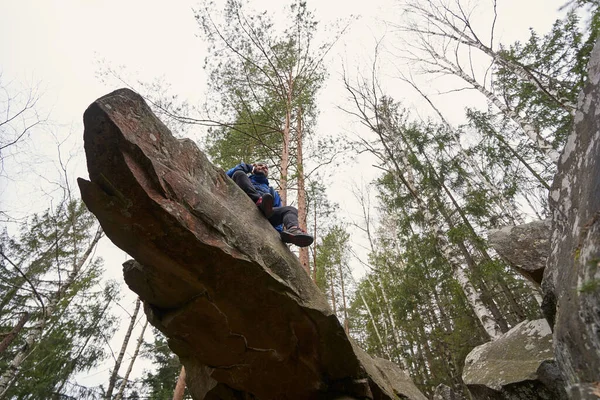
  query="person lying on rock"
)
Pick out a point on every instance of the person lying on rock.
point(269, 203)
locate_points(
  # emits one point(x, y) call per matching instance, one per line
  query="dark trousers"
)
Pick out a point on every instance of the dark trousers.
point(288, 215)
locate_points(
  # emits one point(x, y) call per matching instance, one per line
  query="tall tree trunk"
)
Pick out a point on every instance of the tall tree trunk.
point(119, 360)
point(485, 293)
point(441, 346)
point(424, 342)
point(119, 395)
point(302, 209)
point(314, 249)
point(384, 346)
point(180, 387)
point(442, 311)
point(507, 146)
point(346, 326)
point(481, 311)
point(285, 150)
point(14, 332)
point(390, 316)
point(384, 320)
point(331, 280)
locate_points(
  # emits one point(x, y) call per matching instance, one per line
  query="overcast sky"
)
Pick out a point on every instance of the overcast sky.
point(59, 45)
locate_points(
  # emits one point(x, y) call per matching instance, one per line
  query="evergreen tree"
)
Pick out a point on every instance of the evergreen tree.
point(50, 273)
point(431, 244)
point(332, 270)
point(161, 383)
point(267, 83)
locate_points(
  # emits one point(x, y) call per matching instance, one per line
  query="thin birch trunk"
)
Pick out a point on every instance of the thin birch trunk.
point(483, 289)
point(384, 346)
point(390, 316)
point(513, 304)
point(441, 346)
point(346, 326)
point(119, 395)
point(119, 360)
point(439, 17)
point(388, 310)
point(384, 322)
point(443, 315)
point(533, 134)
point(424, 342)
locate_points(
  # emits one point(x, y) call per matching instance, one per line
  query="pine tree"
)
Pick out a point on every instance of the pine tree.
point(332, 269)
point(267, 82)
point(50, 273)
point(162, 382)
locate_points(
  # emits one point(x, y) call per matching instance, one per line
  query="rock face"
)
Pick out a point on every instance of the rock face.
point(443, 392)
point(526, 247)
point(517, 366)
point(234, 302)
point(571, 282)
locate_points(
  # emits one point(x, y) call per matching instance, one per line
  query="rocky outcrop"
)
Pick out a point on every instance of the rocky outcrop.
point(571, 282)
point(517, 366)
point(233, 301)
point(526, 247)
point(443, 392)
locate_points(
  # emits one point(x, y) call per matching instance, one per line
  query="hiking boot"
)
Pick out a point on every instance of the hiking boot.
point(265, 205)
point(297, 236)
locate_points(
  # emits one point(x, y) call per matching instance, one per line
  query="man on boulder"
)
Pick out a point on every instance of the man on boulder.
point(256, 186)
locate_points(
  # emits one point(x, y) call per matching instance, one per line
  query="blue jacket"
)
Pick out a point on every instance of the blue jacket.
point(260, 183)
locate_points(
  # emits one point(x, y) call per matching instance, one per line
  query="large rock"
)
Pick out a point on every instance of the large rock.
point(526, 247)
point(571, 282)
point(519, 365)
point(234, 302)
point(443, 392)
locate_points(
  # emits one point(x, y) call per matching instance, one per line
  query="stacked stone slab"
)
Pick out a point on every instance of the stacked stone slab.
point(519, 365)
point(526, 247)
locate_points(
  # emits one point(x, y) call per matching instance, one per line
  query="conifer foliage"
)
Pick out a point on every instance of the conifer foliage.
point(265, 80)
point(434, 289)
point(51, 278)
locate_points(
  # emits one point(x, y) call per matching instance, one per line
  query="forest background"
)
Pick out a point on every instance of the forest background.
point(403, 131)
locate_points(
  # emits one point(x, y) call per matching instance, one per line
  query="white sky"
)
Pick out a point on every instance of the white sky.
point(58, 44)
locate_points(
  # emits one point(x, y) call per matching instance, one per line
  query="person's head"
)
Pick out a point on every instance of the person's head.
point(261, 168)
